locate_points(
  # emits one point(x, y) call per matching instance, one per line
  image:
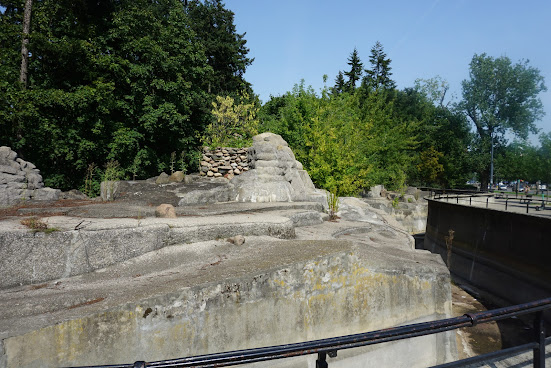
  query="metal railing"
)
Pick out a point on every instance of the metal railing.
point(330, 346)
point(506, 201)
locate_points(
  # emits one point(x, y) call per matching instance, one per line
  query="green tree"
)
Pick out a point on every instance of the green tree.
point(434, 89)
point(378, 76)
point(440, 129)
point(544, 153)
point(224, 48)
point(113, 80)
point(233, 124)
point(500, 96)
point(355, 72)
point(388, 142)
point(339, 84)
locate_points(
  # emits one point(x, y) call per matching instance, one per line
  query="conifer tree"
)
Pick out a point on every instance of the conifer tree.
point(339, 84)
point(355, 72)
point(224, 48)
point(378, 77)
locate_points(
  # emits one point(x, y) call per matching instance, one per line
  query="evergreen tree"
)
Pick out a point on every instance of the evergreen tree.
point(355, 72)
point(224, 48)
point(378, 77)
point(339, 84)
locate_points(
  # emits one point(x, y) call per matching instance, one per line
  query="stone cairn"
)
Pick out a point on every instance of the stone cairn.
point(21, 180)
point(224, 162)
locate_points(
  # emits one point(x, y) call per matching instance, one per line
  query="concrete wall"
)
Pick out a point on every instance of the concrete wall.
point(349, 289)
point(505, 253)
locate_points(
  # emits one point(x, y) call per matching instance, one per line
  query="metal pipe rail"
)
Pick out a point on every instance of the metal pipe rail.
point(330, 346)
point(539, 205)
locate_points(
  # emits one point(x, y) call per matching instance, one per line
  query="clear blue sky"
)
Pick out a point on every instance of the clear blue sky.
point(305, 39)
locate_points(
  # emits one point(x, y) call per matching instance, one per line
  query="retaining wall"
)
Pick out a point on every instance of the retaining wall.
point(505, 253)
point(330, 288)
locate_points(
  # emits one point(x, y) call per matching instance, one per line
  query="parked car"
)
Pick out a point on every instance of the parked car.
point(502, 187)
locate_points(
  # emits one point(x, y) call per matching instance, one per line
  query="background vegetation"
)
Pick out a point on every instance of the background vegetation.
point(146, 83)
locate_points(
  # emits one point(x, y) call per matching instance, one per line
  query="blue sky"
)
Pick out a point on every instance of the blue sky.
point(305, 39)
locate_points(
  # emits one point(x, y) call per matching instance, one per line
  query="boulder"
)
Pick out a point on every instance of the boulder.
point(109, 190)
point(73, 194)
point(237, 240)
point(165, 211)
point(375, 191)
point(47, 194)
point(176, 177)
point(162, 179)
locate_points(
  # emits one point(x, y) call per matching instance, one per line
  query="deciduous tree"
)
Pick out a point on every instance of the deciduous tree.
point(500, 96)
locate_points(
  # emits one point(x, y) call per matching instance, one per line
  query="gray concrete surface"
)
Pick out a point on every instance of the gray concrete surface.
point(214, 296)
point(192, 292)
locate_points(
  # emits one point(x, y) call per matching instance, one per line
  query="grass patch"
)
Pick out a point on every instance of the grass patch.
point(37, 225)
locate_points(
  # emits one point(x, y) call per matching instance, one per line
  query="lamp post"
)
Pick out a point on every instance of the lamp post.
point(492, 161)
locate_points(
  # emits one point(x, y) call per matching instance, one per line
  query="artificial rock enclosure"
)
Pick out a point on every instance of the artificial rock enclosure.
point(114, 284)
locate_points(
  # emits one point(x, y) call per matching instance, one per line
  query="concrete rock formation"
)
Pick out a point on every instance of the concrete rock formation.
point(21, 180)
point(276, 175)
point(273, 175)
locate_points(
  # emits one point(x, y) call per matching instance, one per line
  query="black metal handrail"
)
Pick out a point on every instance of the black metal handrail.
point(330, 346)
point(524, 199)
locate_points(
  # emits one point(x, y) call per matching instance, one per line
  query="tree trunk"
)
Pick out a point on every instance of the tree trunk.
point(25, 42)
point(484, 176)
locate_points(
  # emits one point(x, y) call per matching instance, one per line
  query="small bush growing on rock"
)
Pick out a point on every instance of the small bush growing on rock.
point(37, 225)
point(113, 171)
point(333, 204)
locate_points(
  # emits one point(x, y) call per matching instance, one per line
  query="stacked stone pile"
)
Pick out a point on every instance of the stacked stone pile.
point(21, 180)
point(224, 161)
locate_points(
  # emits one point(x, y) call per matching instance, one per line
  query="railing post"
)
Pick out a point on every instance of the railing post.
point(457, 199)
point(470, 199)
point(539, 331)
point(527, 206)
point(507, 200)
point(321, 362)
point(487, 199)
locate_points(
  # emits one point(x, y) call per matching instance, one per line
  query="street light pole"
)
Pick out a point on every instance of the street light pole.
point(492, 161)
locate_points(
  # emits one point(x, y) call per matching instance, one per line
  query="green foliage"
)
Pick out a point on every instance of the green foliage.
point(345, 141)
point(429, 166)
point(500, 96)
point(37, 225)
point(225, 49)
point(355, 72)
point(91, 184)
point(339, 84)
point(233, 125)
point(115, 80)
point(332, 204)
point(113, 171)
point(378, 76)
